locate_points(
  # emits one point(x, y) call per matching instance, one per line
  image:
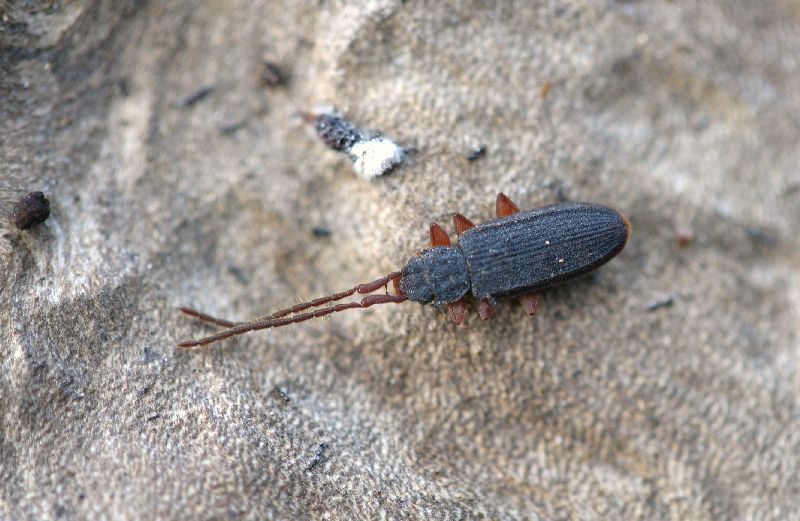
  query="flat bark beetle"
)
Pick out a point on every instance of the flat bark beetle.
point(515, 255)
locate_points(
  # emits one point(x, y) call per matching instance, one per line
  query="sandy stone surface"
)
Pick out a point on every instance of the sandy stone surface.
point(684, 115)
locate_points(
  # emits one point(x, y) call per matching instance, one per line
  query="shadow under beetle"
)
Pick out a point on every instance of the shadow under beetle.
point(517, 254)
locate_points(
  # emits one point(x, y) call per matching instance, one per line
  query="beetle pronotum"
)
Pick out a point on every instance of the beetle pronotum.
point(516, 254)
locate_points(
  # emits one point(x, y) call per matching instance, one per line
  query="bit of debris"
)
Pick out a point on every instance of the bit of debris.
point(271, 75)
point(791, 189)
point(477, 153)
point(662, 302)
point(279, 394)
point(318, 456)
point(561, 193)
point(33, 208)
point(760, 236)
point(198, 95)
point(372, 154)
point(545, 88)
point(123, 86)
point(232, 128)
point(684, 237)
point(320, 231)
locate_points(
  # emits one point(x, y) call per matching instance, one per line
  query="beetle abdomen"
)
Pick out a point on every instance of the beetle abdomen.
point(532, 250)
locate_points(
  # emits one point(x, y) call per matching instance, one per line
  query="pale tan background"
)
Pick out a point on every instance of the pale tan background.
point(681, 114)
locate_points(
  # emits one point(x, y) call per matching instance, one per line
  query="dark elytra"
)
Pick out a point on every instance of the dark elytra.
point(517, 254)
point(520, 253)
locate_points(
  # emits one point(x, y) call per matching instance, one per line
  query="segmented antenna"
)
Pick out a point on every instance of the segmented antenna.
point(292, 315)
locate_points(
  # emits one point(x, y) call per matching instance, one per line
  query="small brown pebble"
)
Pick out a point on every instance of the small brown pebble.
point(684, 237)
point(32, 209)
point(544, 89)
point(271, 75)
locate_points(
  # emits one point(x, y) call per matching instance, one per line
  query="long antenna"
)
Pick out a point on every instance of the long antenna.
point(280, 318)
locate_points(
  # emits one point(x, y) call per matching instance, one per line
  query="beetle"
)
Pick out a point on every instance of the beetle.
point(517, 254)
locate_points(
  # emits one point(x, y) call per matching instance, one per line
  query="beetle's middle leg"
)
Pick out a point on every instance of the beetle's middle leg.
point(530, 303)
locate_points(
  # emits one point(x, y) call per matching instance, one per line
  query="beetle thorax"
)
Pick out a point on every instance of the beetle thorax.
point(437, 275)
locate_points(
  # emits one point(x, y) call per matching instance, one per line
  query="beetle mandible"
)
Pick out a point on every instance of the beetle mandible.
point(517, 254)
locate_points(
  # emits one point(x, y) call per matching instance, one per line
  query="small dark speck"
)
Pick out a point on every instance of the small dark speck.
point(153, 417)
point(148, 355)
point(477, 153)
point(32, 209)
point(271, 75)
point(792, 189)
point(279, 394)
point(561, 193)
point(760, 236)
point(319, 456)
point(229, 130)
point(196, 96)
point(321, 231)
point(237, 273)
point(662, 302)
point(124, 87)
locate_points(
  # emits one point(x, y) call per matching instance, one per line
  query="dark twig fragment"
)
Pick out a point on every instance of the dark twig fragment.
point(319, 456)
point(196, 96)
point(32, 209)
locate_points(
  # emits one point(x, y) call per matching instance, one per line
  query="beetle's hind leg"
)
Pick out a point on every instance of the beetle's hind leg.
point(457, 311)
point(486, 308)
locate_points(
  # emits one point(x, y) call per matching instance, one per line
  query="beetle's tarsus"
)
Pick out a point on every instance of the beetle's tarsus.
point(530, 303)
point(206, 317)
point(486, 308)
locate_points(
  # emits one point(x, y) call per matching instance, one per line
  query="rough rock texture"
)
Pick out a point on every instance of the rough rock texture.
point(685, 115)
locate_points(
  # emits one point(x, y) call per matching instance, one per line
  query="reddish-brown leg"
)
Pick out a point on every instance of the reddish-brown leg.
point(486, 308)
point(505, 206)
point(457, 311)
point(439, 237)
point(530, 302)
point(461, 223)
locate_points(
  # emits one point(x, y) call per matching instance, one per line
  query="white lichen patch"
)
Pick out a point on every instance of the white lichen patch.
point(372, 153)
point(376, 156)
